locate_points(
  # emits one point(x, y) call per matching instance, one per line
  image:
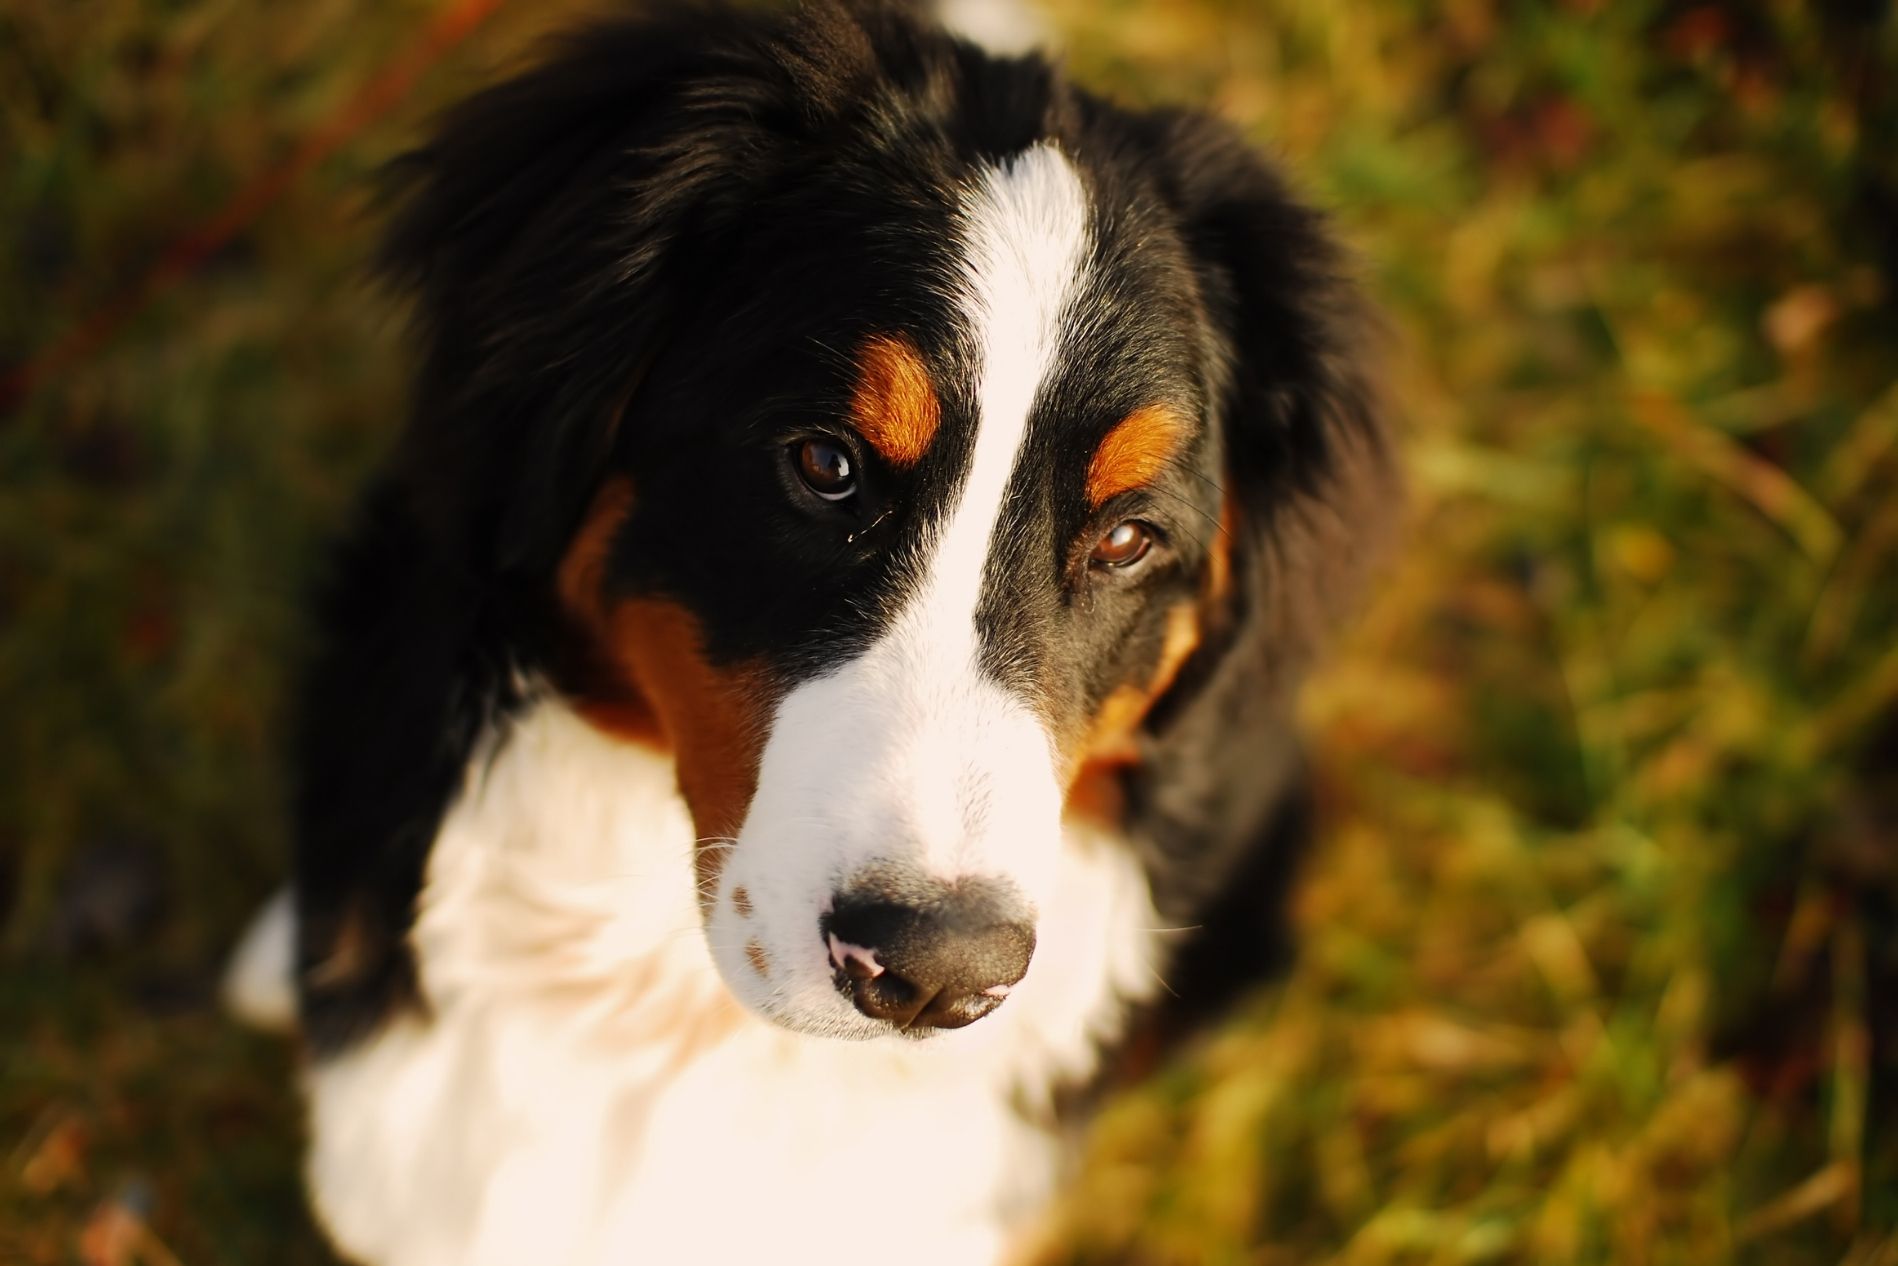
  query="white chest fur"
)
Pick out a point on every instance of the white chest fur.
point(585, 1090)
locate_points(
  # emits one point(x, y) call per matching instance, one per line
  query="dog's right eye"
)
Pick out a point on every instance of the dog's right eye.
point(826, 468)
point(1125, 544)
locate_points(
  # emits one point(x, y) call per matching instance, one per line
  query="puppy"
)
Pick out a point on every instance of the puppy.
point(822, 652)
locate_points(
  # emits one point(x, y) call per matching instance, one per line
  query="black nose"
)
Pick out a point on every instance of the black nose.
point(926, 955)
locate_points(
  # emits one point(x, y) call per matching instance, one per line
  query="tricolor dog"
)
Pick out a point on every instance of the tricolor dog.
point(811, 691)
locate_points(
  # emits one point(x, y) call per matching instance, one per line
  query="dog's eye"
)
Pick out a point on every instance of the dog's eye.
point(826, 469)
point(1125, 544)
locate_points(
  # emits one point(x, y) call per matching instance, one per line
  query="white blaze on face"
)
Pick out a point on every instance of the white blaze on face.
point(911, 753)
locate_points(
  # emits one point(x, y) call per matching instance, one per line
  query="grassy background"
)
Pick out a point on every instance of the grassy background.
point(1600, 953)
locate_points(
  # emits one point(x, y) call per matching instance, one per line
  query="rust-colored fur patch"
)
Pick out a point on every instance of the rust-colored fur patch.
point(1110, 734)
point(712, 717)
point(895, 408)
point(1135, 452)
point(647, 680)
point(602, 693)
point(741, 901)
point(759, 960)
point(1107, 746)
point(1219, 565)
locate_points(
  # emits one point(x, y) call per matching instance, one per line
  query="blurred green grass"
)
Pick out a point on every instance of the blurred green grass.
point(1600, 950)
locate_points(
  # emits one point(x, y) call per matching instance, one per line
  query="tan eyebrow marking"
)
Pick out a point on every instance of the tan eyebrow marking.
point(895, 407)
point(1135, 451)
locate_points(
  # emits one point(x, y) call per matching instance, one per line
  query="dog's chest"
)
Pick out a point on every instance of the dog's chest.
point(533, 1136)
point(585, 1090)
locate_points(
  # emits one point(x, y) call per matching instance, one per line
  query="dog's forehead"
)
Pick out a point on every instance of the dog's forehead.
point(1052, 309)
point(1014, 352)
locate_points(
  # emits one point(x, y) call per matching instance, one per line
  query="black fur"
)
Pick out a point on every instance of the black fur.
point(697, 213)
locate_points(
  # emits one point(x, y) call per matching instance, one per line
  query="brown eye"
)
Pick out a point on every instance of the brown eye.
point(826, 469)
point(1124, 545)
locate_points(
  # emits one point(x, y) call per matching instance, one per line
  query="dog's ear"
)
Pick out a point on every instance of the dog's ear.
point(1302, 423)
point(1308, 484)
point(552, 227)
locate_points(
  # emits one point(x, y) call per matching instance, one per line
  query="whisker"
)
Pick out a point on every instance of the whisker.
point(1161, 980)
point(1208, 480)
point(1213, 519)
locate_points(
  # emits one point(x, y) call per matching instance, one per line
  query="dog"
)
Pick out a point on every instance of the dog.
point(810, 698)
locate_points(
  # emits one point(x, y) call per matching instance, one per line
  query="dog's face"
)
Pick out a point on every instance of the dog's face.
point(905, 538)
point(895, 441)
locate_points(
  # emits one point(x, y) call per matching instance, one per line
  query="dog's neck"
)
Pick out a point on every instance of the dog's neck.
point(565, 867)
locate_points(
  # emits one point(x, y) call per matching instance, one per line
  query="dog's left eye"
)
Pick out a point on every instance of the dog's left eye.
point(1125, 544)
point(826, 469)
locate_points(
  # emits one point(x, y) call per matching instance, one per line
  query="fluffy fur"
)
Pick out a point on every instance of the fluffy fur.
point(628, 690)
point(586, 1089)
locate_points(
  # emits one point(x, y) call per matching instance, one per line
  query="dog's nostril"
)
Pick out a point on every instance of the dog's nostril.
point(854, 961)
point(944, 957)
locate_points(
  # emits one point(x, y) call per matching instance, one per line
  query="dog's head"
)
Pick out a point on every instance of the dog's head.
point(893, 434)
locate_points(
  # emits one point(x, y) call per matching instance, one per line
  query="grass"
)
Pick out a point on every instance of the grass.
point(1600, 951)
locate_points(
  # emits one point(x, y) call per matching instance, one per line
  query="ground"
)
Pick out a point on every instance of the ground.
point(1599, 950)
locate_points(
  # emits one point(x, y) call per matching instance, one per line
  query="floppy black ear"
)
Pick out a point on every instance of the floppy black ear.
point(1309, 495)
point(551, 229)
point(1309, 480)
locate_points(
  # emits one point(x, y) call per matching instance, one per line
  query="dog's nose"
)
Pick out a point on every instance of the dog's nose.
point(939, 958)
